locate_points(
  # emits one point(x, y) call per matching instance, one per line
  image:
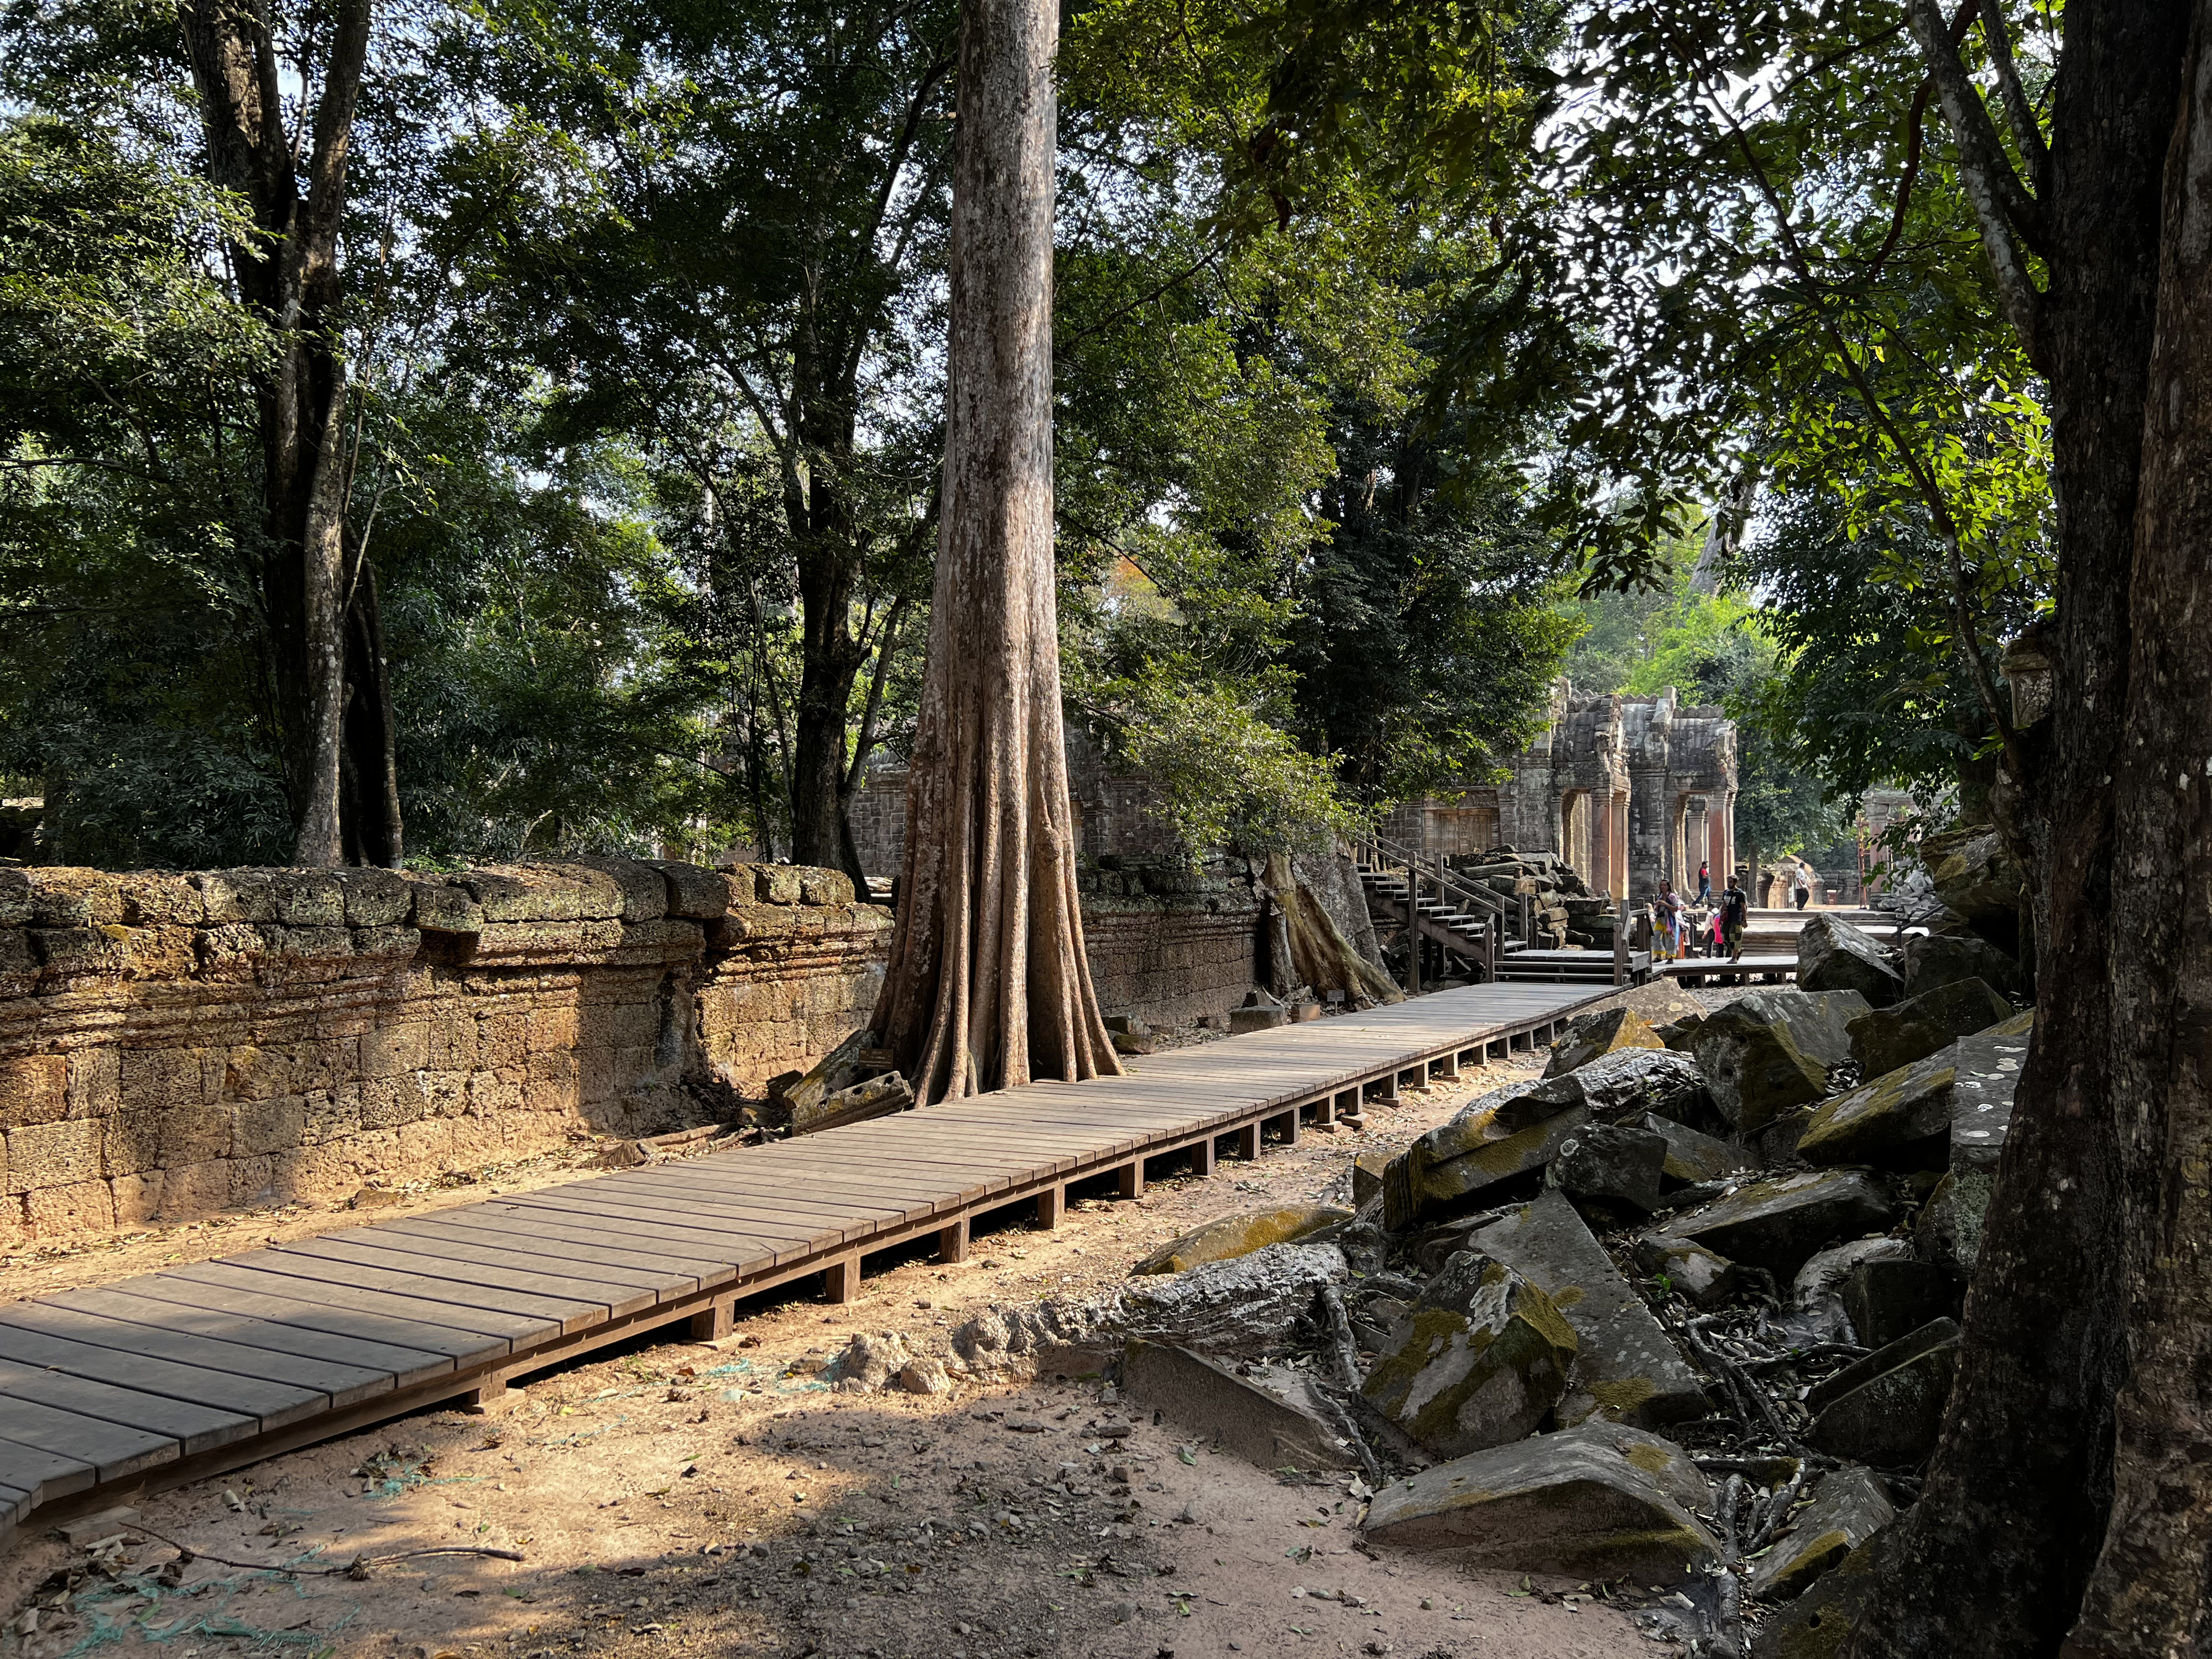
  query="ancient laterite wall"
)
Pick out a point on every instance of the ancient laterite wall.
point(1168, 943)
point(173, 1044)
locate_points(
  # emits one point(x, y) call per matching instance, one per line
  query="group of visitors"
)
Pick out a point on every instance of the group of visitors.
point(1705, 927)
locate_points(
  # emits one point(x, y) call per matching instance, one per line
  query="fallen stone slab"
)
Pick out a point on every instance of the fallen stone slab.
point(1692, 1155)
point(1367, 1176)
point(1458, 1166)
point(1902, 1120)
point(1885, 1039)
point(1259, 1013)
point(1888, 1409)
point(1778, 1223)
point(1765, 1053)
point(1482, 1359)
point(1817, 1313)
point(1600, 1033)
point(1890, 1298)
point(1272, 1417)
point(1244, 1306)
point(1971, 871)
point(1949, 1230)
point(1705, 1277)
point(1604, 1500)
point(1987, 1068)
point(1819, 1621)
point(1937, 959)
point(1850, 1507)
point(1626, 1367)
point(1229, 1237)
point(1834, 956)
point(1615, 1082)
point(1609, 1167)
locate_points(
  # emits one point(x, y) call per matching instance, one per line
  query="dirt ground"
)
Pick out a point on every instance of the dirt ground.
point(681, 1498)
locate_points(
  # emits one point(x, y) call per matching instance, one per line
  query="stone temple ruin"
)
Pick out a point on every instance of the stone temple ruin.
point(1627, 790)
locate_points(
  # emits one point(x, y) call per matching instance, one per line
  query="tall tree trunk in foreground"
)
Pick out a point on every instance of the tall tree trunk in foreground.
point(987, 985)
point(1994, 1558)
point(2149, 1595)
point(333, 695)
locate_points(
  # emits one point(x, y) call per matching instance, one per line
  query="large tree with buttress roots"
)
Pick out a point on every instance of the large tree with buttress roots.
point(988, 985)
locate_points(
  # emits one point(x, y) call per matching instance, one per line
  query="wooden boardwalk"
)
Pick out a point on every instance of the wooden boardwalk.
point(151, 1381)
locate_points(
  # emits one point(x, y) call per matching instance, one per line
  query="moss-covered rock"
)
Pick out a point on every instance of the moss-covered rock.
point(1885, 1039)
point(1834, 956)
point(1481, 1360)
point(1605, 1500)
point(1768, 1053)
point(1904, 1118)
point(1949, 1230)
point(1705, 1277)
point(1820, 1621)
point(1627, 1368)
point(1939, 959)
point(1599, 1033)
point(1233, 1235)
point(1458, 1166)
point(1777, 1223)
point(1888, 1409)
point(1693, 1157)
point(1850, 1507)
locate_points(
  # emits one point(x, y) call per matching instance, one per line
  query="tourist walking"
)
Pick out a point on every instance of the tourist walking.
point(1705, 884)
point(1670, 919)
point(1803, 883)
point(1734, 914)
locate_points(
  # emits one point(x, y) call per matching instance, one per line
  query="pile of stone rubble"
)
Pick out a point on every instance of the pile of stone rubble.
point(1679, 1317)
point(1566, 912)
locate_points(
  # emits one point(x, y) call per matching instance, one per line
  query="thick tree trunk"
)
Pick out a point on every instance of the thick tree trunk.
point(2149, 1595)
point(987, 985)
point(325, 649)
point(1993, 1559)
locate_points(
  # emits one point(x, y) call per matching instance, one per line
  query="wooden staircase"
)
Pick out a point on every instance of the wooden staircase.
point(1485, 937)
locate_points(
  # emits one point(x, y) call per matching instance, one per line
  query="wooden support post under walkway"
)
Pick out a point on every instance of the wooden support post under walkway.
point(152, 1382)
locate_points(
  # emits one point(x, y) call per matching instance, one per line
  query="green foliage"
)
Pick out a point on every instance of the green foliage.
point(130, 677)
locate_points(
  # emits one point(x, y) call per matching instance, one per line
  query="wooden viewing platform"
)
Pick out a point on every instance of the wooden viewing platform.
point(148, 1383)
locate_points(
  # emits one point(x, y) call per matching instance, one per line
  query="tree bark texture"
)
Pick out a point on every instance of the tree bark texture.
point(987, 985)
point(1319, 956)
point(325, 638)
point(2147, 1596)
point(1994, 1558)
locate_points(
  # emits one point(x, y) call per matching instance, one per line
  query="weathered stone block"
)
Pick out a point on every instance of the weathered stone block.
point(95, 1082)
point(76, 1207)
point(439, 907)
point(162, 1138)
point(1777, 1223)
point(389, 1051)
point(66, 953)
point(304, 945)
point(15, 901)
point(19, 962)
point(374, 898)
point(1834, 956)
point(308, 898)
point(42, 1155)
point(162, 1078)
point(230, 951)
point(1707, 1278)
point(1605, 1500)
point(154, 899)
point(1940, 959)
point(138, 1198)
point(501, 1041)
point(268, 1125)
point(1693, 1157)
point(1458, 1166)
point(160, 953)
point(232, 896)
point(1949, 1230)
point(1233, 1235)
point(825, 887)
point(1614, 1168)
point(33, 1089)
point(1271, 1418)
point(252, 1074)
point(551, 1031)
point(65, 898)
point(1481, 1360)
point(388, 1103)
point(1850, 1507)
point(1887, 1300)
point(1904, 1118)
point(695, 891)
point(1766, 1053)
point(1599, 1033)
point(1888, 1409)
point(1627, 1368)
point(1884, 1040)
point(379, 950)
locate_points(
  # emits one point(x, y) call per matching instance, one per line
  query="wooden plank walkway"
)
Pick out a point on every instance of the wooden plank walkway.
point(151, 1381)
